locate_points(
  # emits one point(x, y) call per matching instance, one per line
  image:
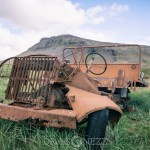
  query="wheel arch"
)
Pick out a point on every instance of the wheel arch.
point(85, 103)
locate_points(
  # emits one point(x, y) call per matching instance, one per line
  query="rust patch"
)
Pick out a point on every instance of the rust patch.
point(86, 103)
point(59, 118)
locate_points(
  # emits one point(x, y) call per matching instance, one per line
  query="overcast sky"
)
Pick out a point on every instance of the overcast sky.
point(24, 22)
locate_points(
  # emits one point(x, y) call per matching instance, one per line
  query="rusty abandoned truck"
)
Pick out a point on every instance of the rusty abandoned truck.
point(82, 87)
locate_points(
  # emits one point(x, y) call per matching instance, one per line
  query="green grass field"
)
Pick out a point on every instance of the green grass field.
point(131, 133)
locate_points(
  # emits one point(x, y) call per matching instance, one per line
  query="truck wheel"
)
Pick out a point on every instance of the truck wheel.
point(96, 129)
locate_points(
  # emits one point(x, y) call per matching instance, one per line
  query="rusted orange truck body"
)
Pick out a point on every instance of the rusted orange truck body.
point(45, 91)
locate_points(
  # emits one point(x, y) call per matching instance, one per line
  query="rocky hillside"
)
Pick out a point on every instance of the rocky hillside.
point(55, 44)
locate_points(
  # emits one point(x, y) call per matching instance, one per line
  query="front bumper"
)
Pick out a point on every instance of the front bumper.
point(60, 118)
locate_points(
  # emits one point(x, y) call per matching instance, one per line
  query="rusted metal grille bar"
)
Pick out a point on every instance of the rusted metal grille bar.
point(8, 94)
point(40, 81)
point(24, 78)
point(16, 77)
point(30, 78)
point(30, 87)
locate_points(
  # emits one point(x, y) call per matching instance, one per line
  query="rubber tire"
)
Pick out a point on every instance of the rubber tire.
point(96, 129)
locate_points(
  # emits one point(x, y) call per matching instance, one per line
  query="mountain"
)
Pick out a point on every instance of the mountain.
point(55, 44)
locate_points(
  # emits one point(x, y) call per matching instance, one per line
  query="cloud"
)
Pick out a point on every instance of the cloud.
point(40, 14)
point(116, 9)
point(24, 22)
point(99, 14)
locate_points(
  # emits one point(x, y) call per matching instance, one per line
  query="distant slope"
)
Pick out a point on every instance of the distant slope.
point(54, 46)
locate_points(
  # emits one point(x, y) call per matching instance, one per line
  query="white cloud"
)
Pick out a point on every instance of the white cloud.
point(24, 22)
point(99, 14)
point(40, 14)
point(116, 9)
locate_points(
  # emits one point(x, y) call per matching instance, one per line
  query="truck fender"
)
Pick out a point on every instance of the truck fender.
point(84, 103)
